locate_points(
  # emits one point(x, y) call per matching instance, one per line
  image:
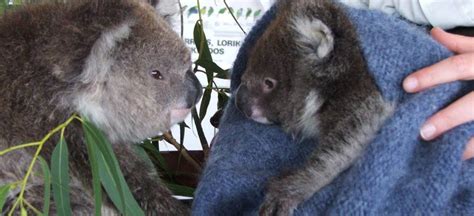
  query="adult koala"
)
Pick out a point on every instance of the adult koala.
point(116, 62)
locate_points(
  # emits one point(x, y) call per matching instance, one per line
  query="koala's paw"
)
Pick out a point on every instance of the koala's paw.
point(281, 199)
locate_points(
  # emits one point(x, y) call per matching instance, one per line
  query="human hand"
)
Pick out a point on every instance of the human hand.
point(458, 67)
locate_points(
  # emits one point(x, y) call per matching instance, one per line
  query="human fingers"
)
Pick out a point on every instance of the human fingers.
point(459, 112)
point(469, 152)
point(455, 43)
point(459, 67)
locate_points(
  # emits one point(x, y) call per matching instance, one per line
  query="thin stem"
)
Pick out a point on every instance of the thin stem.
point(32, 207)
point(61, 128)
point(235, 19)
point(13, 148)
point(170, 139)
point(181, 18)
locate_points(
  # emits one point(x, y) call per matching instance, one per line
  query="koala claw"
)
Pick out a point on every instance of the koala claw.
point(278, 206)
point(280, 201)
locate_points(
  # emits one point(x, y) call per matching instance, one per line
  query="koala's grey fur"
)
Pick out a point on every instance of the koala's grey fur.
point(307, 73)
point(94, 58)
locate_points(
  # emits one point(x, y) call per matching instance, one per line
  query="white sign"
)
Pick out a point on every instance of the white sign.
point(224, 38)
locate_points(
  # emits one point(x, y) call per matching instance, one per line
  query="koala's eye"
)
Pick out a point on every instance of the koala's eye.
point(156, 74)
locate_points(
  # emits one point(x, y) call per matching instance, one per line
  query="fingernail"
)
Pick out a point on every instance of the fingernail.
point(427, 131)
point(410, 84)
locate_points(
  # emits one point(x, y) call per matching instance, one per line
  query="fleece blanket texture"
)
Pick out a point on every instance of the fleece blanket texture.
point(399, 174)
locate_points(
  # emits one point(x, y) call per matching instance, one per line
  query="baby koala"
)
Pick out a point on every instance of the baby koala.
point(307, 73)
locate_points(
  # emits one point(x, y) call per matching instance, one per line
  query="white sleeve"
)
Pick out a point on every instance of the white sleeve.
point(441, 13)
point(448, 14)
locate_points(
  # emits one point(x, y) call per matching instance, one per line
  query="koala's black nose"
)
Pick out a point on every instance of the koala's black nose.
point(194, 89)
point(241, 100)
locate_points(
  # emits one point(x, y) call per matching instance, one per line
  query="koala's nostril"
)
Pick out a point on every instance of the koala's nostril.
point(194, 89)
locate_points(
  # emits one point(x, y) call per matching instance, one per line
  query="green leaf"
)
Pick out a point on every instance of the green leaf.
point(249, 12)
point(203, 10)
point(47, 185)
point(206, 98)
point(60, 178)
point(4, 190)
point(239, 13)
point(221, 11)
point(200, 131)
point(257, 13)
point(3, 7)
point(224, 74)
point(210, 11)
point(110, 174)
point(184, 125)
point(192, 10)
point(180, 189)
point(91, 148)
point(200, 39)
point(159, 160)
point(210, 66)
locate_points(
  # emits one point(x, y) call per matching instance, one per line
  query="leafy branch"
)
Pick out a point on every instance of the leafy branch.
point(101, 157)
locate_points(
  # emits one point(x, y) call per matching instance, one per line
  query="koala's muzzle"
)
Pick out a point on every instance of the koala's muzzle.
point(248, 104)
point(194, 89)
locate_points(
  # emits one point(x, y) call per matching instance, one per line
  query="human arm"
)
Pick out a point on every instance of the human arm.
point(445, 14)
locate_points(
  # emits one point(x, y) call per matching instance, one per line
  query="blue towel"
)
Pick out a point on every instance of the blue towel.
point(399, 173)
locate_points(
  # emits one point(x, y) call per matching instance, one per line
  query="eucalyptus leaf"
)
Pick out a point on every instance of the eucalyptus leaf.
point(3, 6)
point(210, 66)
point(192, 10)
point(4, 191)
point(109, 171)
point(47, 185)
point(203, 10)
point(180, 189)
point(206, 98)
point(200, 39)
point(221, 11)
point(200, 131)
point(239, 13)
point(210, 11)
point(257, 13)
point(60, 178)
point(224, 74)
point(184, 125)
point(249, 12)
point(91, 149)
point(157, 157)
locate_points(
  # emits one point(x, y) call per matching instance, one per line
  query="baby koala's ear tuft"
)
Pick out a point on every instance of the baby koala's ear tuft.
point(313, 38)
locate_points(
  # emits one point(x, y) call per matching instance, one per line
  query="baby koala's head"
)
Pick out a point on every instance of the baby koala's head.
point(284, 68)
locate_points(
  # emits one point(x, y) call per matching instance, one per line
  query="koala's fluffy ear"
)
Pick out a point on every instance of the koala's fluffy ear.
point(168, 9)
point(97, 64)
point(313, 38)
